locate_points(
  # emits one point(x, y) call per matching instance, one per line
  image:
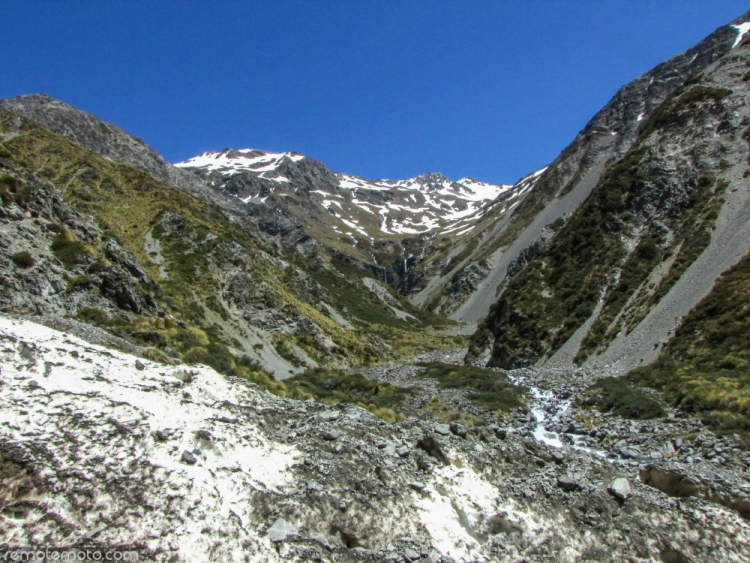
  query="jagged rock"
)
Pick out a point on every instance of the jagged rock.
point(403, 451)
point(501, 433)
point(411, 554)
point(332, 435)
point(459, 429)
point(361, 487)
point(189, 457)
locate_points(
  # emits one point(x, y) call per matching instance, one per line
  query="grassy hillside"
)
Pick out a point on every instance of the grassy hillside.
point(217, 282)
point(705, 368)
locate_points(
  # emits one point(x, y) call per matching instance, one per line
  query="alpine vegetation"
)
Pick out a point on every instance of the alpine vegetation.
point(247, 356)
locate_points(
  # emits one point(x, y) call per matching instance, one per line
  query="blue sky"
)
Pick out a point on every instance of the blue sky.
point(381, 89)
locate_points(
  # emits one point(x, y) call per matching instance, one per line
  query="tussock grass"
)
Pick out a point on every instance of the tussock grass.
point(705, 368)
point(23, 260)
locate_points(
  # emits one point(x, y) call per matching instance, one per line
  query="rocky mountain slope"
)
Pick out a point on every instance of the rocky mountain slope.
point(659, 228)
point(500, 246)
point(86, 237)
point(184, 464)
point(105, 139)
point(423, 205)
point(384, 225)
point(219, 361)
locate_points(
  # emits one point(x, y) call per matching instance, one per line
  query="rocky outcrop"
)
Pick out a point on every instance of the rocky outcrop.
point(61, 274)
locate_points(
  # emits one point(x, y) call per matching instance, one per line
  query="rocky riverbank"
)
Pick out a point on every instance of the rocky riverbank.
point(98, 447)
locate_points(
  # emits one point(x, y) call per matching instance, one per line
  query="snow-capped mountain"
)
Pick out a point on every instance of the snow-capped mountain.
point(357, 207)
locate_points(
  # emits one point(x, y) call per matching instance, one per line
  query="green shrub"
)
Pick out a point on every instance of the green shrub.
point(557, 224)
point(96, 266)
point(333, 386)
point(619, 396)
point(95, 316)
point(155, 355)
point(13, 190)
point(488, 388)
point(693, 79)
point(284, 349)
point(23, 260)
point(69, 250)
point(670, 112)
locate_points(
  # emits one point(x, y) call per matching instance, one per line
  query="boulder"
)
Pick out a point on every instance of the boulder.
point(281, 529)
point(442, 429)
point(331, 435)
point(568, 483)
point(620, 489)
point(459, 429)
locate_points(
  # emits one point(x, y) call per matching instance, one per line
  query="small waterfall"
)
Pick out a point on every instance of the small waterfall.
point(404, 266)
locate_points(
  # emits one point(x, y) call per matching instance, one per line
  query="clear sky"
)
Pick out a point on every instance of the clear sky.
point(381, 89)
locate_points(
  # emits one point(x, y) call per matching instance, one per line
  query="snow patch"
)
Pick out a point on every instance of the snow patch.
point(742, 30)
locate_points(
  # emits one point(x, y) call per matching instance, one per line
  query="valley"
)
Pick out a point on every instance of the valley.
point(247, 356)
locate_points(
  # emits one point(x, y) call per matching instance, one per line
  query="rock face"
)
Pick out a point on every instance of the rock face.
point(194, 466)
point(49, 285)
point(85, 237)
point(620, 489)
